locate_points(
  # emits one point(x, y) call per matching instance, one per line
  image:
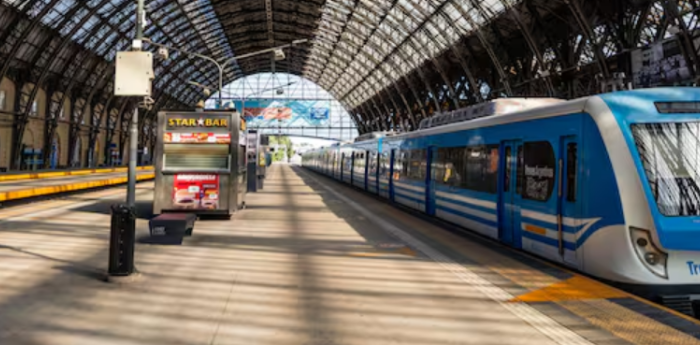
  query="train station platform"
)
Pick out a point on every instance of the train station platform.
point(23, 185)
point(310, 261)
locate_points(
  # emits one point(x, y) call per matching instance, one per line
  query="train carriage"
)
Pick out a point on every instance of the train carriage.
point(606, 184)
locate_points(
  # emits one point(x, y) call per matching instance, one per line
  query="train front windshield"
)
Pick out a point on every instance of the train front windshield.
point(670, 153)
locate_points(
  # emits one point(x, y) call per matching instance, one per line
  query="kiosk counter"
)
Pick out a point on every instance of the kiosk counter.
point(200, 163)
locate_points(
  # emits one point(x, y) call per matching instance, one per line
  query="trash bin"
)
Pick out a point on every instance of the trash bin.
point(121, 242)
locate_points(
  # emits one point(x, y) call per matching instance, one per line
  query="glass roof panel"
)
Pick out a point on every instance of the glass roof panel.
point(362, 46)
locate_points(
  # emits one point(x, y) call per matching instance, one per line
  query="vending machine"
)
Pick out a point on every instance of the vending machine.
point(200, 163)
point(255, 172)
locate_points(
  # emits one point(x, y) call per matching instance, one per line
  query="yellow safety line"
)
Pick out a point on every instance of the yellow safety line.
point(574, 288)
point(553, 280)
point(617, 290)
point(40, 191)
point(49, 174)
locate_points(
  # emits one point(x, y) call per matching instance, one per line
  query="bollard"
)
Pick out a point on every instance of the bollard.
point(121, 241)
point(261, 178)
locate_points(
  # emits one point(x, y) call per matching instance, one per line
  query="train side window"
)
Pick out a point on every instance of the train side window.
point(414, 162)
point(540, 170)
point(571, 170)
point(509, 160)
point(482, 168)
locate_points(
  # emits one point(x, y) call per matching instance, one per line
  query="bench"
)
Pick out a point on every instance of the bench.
point(172, 227)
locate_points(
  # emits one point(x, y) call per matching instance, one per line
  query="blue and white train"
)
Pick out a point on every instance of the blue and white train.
point(607, 184)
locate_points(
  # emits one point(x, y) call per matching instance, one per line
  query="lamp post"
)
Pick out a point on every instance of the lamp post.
point(134, 129)
point(221, 67)
point(295, 42)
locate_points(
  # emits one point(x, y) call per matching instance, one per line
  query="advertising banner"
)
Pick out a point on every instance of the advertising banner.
point(196, 191)
point(286, 112)
point(660, 64)
point(197, 138)
point(319, 113)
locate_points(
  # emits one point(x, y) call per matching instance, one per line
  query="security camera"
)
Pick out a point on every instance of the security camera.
point(163, 53)
point(279, 55)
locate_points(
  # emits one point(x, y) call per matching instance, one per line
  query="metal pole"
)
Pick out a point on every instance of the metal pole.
point(133, 155)
point(140, 17)
point(133, 131)
point(221, 85)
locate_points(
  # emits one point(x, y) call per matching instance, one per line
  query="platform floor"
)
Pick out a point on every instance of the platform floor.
point(309, 262)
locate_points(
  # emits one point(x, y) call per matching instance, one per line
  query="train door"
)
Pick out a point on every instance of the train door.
point(352, 167)
point(353, 156)
point(430, 181)
point(337, 165)
point(366, 169)
point(509, 190)
point(378, 173)
point(392, 168)
point(568, 220)
point(342, 166)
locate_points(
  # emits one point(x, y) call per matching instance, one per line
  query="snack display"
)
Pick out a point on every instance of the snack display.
point(196, 191)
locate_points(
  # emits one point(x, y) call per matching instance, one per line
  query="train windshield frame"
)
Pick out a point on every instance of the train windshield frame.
point(670, 155)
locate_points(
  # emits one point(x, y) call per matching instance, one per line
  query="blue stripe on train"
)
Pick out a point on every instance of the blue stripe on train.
point(551, 226)
point(466, 204)
point(548, 241)
point(408, 190)
point(468, 216)
point(410, 198)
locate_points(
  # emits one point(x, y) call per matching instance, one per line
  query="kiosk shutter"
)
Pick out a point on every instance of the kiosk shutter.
point(196, 157)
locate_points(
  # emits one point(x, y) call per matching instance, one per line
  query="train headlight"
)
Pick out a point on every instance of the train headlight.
point(653, 258)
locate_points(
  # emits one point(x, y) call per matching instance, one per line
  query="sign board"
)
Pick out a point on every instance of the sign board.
point(197, 138)
point(197, 122)
point(661, 64)
point(319, 113)
point(267, 112)
point(133, 74)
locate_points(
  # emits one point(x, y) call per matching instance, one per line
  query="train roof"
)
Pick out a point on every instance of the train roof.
point(638, 105)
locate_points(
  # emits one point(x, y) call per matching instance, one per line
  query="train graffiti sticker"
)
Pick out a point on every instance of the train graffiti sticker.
point(196, 191)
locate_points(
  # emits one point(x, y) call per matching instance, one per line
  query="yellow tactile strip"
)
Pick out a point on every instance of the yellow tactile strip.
point(42, 191)
point(627, 324)
point(574, 288)
point(49, 174)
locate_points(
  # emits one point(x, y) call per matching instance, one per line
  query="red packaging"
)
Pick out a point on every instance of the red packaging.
point(196, 191)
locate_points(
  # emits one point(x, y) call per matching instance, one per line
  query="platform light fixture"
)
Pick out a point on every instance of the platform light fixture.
point(222, 66)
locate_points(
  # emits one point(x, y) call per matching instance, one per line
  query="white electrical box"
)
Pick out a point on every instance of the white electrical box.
point(134, 74)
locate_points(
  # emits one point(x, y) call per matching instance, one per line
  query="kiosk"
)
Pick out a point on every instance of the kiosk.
point(200, 163)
